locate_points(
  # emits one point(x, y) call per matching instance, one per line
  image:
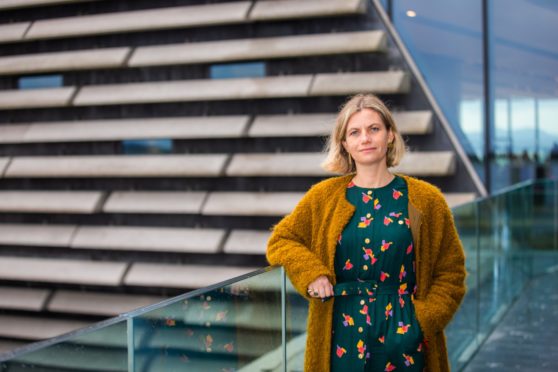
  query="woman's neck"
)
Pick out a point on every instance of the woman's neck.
point(372, 177)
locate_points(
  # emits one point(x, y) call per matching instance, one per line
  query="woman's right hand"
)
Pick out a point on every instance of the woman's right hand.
point(320, 288)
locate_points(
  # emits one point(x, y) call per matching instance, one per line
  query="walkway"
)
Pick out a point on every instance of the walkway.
point(527, 337)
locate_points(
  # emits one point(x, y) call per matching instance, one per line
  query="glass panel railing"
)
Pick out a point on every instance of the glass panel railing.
point(508, 239)
point(102, 347)
point(224, 329)
point(257, 322)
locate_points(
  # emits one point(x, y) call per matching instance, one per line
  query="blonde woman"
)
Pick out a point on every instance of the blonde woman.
point(376, 254)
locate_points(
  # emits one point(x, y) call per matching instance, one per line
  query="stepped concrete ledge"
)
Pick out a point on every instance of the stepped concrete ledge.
point(51, 270)
point(414, 122)
point(424, 163)
point(123, 129)
point(382, 82)
point(4, 165)
point(251, 203)
point(189, 202)
point(64, 61)
point(13, 133)
point(91, 303)
point(181, 276)
point(292, 9)
point(35, 98)
point(36, 235)
point(194, 90)
point(301, 125)
point(21, 298)
point(198, 165)
point(33, 328)
point(427, 163)
point(6, 346)
point(141, 20)
point(13, 31)
point(13, 4)
point(51, 201)
point(281, 164)
point(155, 239)
point(457, 198)
point(247, 242)
point(260, 48)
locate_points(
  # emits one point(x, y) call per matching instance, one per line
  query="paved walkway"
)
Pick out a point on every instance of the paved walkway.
point(527, 337)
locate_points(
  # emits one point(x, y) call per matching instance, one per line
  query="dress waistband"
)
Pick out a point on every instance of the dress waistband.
point(369, 288)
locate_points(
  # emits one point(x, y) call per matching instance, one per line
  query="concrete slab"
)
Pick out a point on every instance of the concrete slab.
point(6, 346)
point(57, 270)
point(292, 9)
point(64, 61)
point(309, 125)
point(36, 98)
point(21, 298)
point(300, 125)
point(95, 303)
point(189, 202)
point(36, 235)
point(85, 202)
point(194, 90)
point(13, 133)
point(181, 276)
point(4, 165)
point(123, 129)
point(13, 31)
point(247, 242)
point(427, 163)
point(260, 48)
point(198, 165)
point(414, 122)
point(282, 164)
point(141, 20)
point(383, 82)
point(13, 4)
point(457, 198)
point(154, 239)
point(251, 203)
point(35, 328)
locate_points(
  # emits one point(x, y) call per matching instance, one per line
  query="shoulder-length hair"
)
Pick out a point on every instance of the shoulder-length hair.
point(338, 159)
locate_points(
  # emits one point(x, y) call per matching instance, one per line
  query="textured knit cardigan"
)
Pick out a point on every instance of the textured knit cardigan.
point(304, 243)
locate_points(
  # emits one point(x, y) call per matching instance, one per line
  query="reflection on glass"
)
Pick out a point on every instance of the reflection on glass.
point(226, 329)
point(251, 325)
point(104, 349)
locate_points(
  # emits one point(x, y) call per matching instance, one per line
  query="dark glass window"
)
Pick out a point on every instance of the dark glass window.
point(39, 82)
point(237, 70)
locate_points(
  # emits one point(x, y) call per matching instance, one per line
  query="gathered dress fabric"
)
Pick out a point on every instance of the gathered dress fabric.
point(305, 243)
point(374, 326)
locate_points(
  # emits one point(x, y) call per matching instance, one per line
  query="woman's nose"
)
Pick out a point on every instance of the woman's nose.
point(365, 137)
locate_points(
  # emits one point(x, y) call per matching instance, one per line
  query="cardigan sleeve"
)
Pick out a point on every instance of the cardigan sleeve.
point(290, 246)
point(447, 286)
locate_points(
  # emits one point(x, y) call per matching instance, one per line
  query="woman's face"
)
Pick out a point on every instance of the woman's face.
point(367, 138)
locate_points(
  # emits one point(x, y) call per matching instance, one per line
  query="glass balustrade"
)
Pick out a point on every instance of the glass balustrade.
point(257, 322)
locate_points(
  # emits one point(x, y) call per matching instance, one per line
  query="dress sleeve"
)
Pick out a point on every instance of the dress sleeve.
point(447, 285)
point(290, 246)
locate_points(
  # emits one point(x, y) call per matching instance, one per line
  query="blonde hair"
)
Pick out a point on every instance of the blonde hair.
point(338, 160)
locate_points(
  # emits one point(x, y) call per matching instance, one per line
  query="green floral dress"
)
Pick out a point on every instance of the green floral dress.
point(374, 325)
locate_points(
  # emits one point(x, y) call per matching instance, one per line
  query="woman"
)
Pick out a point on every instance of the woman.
point(377, 254)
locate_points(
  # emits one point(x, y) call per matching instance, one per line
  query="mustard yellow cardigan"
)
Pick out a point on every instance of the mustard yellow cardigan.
point(304, 244)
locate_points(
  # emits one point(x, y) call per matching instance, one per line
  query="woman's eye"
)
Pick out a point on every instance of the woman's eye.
point(375, 129)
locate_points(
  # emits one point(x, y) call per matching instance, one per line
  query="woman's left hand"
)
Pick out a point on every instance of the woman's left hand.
point(320, 288)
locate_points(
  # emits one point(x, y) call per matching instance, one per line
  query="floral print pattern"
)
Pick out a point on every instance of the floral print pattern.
point(374, 327)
